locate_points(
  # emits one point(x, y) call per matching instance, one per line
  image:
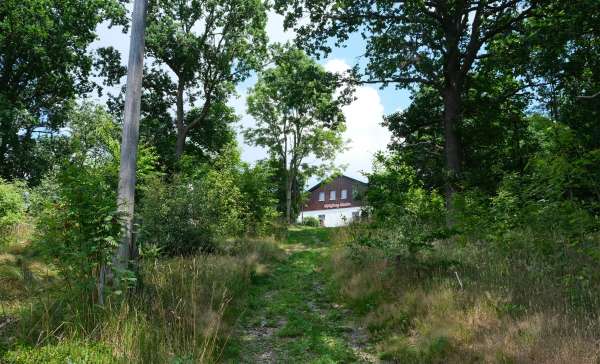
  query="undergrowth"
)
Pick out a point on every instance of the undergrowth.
point(463, 301)
point(183, 310)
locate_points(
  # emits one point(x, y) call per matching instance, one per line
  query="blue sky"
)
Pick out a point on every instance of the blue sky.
point(364, 133)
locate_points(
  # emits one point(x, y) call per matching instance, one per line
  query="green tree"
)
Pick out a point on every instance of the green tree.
point(495, 132)
point(434, 43)
point(78, 225)
point(278, 179)
point(298, 115)
point(202, 49)
point(44, 65)
point(259, 193)
point(557, 55)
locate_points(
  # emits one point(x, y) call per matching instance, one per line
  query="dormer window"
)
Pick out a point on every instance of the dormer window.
point(344, 195)
point(332, 195)
point(321, 196)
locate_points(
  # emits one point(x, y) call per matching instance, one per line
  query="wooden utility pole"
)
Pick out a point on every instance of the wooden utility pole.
point(131, 128)
point(129, 141)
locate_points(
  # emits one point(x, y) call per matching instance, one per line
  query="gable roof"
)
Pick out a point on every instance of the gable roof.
point(340, 176)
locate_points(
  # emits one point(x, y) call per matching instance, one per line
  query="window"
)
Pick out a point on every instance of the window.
point(344, 195)
point(322, 220)
point(321, 196)
point(332, 195)
point(355, 215)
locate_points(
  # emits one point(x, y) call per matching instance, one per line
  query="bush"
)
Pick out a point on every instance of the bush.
point(259, 198)
point(78, 230)
point(189, 215)
point(78, 226)
point(12, 207)
point(407, 217)
point(205, 203)
point(311, 221)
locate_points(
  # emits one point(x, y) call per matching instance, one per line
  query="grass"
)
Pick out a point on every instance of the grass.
point(185, 311)
point(307, 299)
point(419, 312)
point(292, 316)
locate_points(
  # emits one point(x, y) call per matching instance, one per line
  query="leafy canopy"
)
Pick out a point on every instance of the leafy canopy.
point(44, 65)
point(296, 109)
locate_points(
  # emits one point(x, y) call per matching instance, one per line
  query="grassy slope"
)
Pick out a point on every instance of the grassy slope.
point(289, 308)
point(184, 313)
point(421, 313)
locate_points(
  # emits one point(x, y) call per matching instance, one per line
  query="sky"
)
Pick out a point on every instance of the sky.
point(364, 133)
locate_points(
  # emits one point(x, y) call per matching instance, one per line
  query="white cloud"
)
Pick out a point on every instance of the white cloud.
point(275, 30)
point(337, 66)
point(363, 126)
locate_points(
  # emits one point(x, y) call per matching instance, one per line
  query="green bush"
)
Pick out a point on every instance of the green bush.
point(78, 230)
point(407, 217)
point(188, 215)
point(311, 221)
point(12, 206)
point(259, 198)
point(205, 203)
point(75, 206)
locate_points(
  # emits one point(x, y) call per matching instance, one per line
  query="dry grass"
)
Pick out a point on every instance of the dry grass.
point(417, 318)
point(183, 312)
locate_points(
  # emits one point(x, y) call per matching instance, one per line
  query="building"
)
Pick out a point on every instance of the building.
point(334, 203)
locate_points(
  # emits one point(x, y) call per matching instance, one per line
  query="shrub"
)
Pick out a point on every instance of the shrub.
point(205, 203)
point(311, 221)
point(12, 207)
point(79, 228)
point(78, 225)
point(407, 217)
point(259, 198)
point(188, 215)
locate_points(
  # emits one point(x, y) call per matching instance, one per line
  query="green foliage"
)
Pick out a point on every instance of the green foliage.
point(78, 226)
point(208, 47)
point(67, 352)
point(259, 195)
point(192, 211)
point(189, 215)
point(45, 66)
point(311, 221)
point(12, 207)
point(278, 179)
point(298, 115)
point(408, 217)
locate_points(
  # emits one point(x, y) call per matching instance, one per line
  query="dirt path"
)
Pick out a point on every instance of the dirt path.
point(291, 316)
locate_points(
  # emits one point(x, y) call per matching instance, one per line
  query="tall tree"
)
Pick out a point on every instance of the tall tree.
point(298, 114)
point(44, 65)
point(208, 46)
point(414, 42)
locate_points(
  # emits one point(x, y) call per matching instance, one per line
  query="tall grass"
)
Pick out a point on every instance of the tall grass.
point(466, 302)
point(183, 311)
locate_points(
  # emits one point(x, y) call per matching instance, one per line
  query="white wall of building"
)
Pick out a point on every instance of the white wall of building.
point(333, 217)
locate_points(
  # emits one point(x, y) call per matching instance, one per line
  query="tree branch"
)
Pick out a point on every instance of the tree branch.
point(586, 97)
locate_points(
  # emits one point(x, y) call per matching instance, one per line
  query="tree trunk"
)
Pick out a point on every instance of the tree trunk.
point(288, 198)
point(181, 129)
point(127, 171)
point(452, 149)
point(180, 143)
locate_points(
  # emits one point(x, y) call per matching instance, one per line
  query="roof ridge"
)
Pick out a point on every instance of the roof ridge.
point(338, 176)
